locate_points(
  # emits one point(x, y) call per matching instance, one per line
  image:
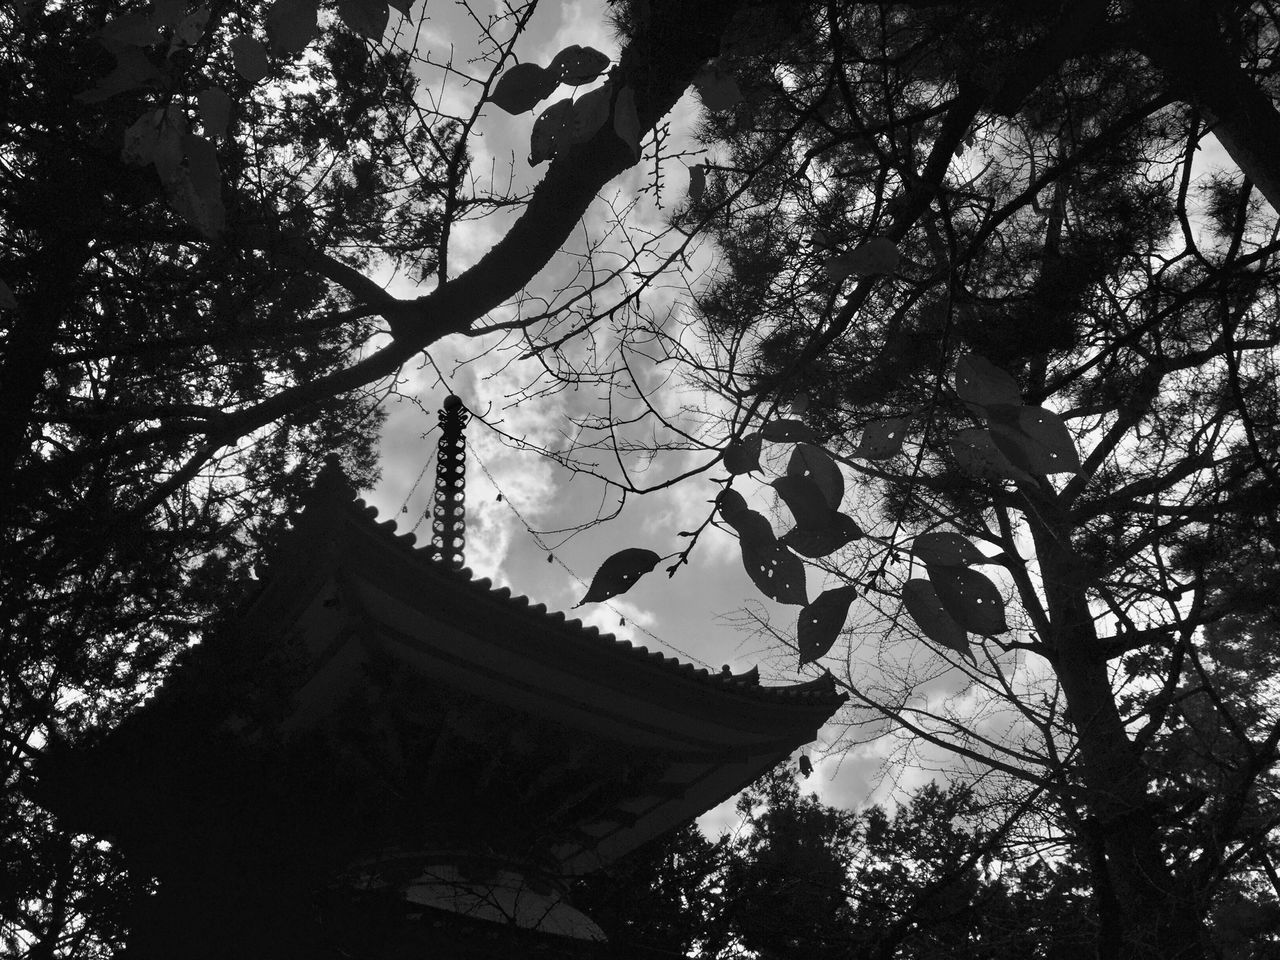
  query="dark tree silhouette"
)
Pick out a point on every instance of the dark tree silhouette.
point(189, 320)
point(935, 879)
point(966, 245)
point(200, 207)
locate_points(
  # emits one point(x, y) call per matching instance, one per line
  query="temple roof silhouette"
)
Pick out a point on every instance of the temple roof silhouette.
point(355, 593)
point(375, 741)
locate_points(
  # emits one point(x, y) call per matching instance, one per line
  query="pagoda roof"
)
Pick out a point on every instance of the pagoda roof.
point(613, 743)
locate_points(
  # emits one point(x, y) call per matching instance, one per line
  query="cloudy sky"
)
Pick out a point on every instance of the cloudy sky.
point(517, 500)
point(508, 538)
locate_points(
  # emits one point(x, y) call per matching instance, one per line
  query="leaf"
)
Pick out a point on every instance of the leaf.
point(590, 111)
point(808, 460)
point(165, 13)
point(196, 190)
point(550, 131)
point(806, 501)
point(945, 550)
point(742, 455)
point(205, 213)
point(577, 65)
point(249, 58)
point(747, 523)
point(776, 572)
point(1034, 439)
point(141, 137)
point(167, 150)
point(750, 526)
point(970, 599)
point(135, 29)
point(730, 502)
point(7, 300)
point(202, 166)
point(875, 257)
point(787, 431)
point(819, 624)
point(215, 111)
point(697, 182)
point(626, 122)
point(976, 452)
point(132, 70)
point(619, 573)
point(1048, 430)
point(291, 24)
point(716, 88)
point(882, 439)
point(840, 530)
point(368, 18)
point(836, 266)
point(191, 28)
point(931, 617)
point(879, 255)
point(521, 87)
point(404, 7)
point(980, 381)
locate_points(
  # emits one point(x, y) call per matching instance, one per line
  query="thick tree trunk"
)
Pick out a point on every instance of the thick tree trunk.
point(1155, 915)
point(1184, 40)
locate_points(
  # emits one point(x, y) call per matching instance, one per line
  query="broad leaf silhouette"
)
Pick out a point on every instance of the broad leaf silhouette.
point(742, 455)
point(808, 460)
point(945, 549)
point(787, 431)
point(215, 111)
point(882, 439)
point(980, 381)
point(751, 527)
point(969, 598)
point(806, 501)
point(922, 603)
point(291, 24)
point(619, 573)
point(575, 65)
point(775, 570)
point(717, 89)
point(875, 257)
point(132, 70)
point(839, 531)
point(366, 17)
point(521, 87)
point(820, 623)
point(1033, 438)
point(551, 131)
point(976, 452)
point(590, 111)
point(249, 58)
point(194, 188)
point(136, 29)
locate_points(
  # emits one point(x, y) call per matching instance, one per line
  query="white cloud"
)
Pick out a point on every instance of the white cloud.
point(683, 610)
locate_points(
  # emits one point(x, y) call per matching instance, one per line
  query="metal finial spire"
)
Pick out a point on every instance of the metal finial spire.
point(449, 521)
